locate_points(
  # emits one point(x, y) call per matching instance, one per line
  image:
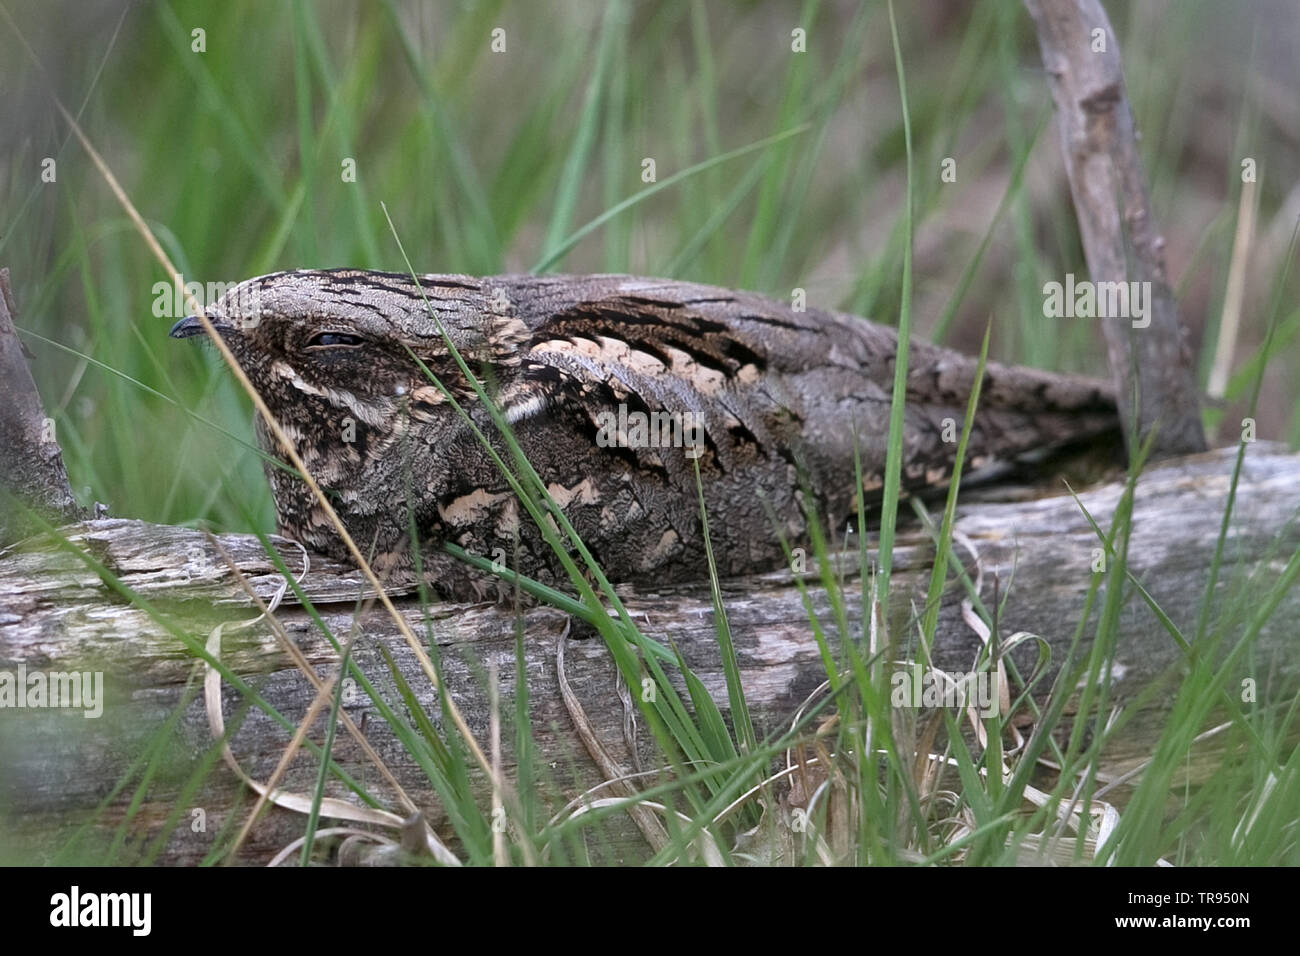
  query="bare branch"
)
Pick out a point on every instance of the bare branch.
point(1151, 363)
point(31, 468)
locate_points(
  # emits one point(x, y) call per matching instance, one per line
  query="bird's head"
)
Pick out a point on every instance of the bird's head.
point(334, 352)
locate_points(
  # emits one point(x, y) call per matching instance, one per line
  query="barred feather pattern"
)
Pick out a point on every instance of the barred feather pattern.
point(767, 401)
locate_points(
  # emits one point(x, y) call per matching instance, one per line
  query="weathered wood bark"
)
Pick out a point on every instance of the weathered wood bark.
point(31, 468)
point(1151, 364)
point(57, 614)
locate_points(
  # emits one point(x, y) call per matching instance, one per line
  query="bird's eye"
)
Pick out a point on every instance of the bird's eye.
point(330, 339)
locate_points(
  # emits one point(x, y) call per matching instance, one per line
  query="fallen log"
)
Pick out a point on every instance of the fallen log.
point(57, 614)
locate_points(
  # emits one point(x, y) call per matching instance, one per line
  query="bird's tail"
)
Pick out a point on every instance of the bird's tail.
point(1020, 411)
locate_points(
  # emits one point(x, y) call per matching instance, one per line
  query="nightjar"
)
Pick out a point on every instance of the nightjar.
point(617, 388)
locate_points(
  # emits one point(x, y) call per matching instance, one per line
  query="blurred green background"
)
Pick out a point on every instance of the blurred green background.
point(488, 161)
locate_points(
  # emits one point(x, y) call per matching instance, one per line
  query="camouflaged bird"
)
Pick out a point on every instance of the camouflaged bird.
point(615, 387)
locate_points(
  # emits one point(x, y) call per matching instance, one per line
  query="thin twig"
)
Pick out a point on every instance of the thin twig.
point(1148, 354)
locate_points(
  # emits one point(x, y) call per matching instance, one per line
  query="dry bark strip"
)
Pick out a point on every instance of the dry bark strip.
point(1151, 366)
point(56, 614)
point(31, 468)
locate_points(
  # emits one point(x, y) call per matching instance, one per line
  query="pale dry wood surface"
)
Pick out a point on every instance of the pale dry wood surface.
point(57, 614)
point(1152, 366)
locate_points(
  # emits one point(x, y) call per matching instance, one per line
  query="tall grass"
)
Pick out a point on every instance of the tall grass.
point(775, 171)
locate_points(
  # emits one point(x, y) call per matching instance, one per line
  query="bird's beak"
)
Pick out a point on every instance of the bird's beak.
point(190, 325)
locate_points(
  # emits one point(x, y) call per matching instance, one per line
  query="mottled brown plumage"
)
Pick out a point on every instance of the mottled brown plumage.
point(767, 400)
